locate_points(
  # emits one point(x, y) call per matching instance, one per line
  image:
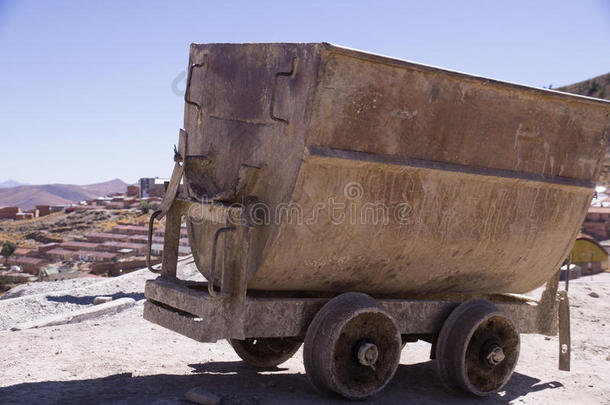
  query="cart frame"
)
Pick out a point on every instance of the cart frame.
point(199, 311)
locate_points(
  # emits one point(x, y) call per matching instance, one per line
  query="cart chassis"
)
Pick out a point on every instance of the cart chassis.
point(187, 308)
point(204, 313)
point(224, 308)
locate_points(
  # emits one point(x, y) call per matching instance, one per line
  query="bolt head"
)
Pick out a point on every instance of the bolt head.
point(367, 354)
point(495, 355)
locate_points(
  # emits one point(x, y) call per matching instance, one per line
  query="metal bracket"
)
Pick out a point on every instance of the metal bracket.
point(291, 73)
point(170, 192)
point(187, 92)
point(565, 339)
point(546, 314)
point(217, 234)
point(565, 342)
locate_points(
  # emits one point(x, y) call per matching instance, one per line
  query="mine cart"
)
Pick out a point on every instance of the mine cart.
point(352, 202)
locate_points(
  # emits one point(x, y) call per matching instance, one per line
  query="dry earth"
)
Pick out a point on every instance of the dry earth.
point(123, 359)
point(60, 227)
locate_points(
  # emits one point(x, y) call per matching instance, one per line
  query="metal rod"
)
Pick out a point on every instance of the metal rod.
point(151, 222)
point(567, 283)
point(218, 232)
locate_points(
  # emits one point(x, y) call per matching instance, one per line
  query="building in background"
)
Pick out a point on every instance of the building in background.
point(133, 191)
point(29, 265)
point(589, 255)
point(29, 214)
point(152, 187)
point(55, 273)
point(43, 210)
point(597, 223)
point(9, 212)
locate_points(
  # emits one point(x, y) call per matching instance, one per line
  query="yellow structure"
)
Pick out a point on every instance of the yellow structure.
point(589, 255)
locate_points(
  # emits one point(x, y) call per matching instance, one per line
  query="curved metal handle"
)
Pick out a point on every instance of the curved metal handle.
point(151, 222)
point(291, 73)
point(211, 290)
point(187, 92)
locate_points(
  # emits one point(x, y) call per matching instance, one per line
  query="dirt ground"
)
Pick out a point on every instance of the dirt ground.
point(123, 359)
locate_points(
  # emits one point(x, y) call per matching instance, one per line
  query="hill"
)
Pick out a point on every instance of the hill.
point(598, 87)
point(57, 194)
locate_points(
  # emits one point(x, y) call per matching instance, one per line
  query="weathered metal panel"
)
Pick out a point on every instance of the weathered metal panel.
point(247, 123)
point(378, 105)
point(485, 183)
point(196, 314)
point(216, 312)
point(281, 317)
point(442, 231)
point(194, 328)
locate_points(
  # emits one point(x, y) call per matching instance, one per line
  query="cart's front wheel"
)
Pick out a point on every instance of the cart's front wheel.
point(265, 352)
point(352, 347)
point(477, 348)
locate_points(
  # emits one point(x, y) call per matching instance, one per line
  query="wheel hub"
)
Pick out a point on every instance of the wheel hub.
point(368, 354)
point(494, 354)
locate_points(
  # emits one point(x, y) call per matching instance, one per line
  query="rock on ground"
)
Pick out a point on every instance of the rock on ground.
point(198, 395)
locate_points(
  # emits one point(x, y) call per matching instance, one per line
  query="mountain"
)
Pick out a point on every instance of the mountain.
point(11, 183)
point(102, 189)
point(28, 197)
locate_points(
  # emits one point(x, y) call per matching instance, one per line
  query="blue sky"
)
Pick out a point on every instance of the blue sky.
point(86, 87)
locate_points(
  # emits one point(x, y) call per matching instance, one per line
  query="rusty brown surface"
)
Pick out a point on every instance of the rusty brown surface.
point(492, 179)
point(598, 87)
point(196, 314)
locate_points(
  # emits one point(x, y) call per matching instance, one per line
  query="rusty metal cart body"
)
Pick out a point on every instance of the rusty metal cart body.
point(355, 202)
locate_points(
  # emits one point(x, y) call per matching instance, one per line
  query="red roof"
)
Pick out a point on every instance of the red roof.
point(90, 253)
point(27, 260)
point(79, 245)
point(125, 245)
point(131, 227)
point(59, 251)
point(106, 235)
point(21, 251)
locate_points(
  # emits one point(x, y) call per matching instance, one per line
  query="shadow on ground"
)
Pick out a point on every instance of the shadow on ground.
point(88, 299)
point(236, 383)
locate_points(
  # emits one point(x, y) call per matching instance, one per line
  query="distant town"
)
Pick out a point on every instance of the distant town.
point(104, 236)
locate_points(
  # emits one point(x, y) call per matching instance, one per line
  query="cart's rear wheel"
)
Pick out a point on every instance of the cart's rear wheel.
point(477, 348)
point(352, 347)
point(265, 352)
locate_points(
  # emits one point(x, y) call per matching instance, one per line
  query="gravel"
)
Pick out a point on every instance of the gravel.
point(123, 359)
point(68, 295)
point(31, 301)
